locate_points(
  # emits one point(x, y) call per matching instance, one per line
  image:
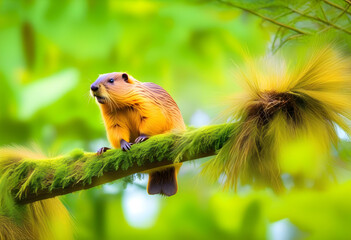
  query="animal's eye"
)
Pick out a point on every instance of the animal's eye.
point(111, 80)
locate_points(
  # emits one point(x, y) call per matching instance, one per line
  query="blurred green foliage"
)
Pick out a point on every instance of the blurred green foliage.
point(294, 20)
point(51, 51)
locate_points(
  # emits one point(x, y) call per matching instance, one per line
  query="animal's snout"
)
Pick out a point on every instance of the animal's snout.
point(94, 88)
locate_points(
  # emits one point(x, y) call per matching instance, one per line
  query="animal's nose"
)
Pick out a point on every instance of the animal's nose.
point(94, 88)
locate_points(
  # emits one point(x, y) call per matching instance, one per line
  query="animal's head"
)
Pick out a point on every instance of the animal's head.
point(113, 88)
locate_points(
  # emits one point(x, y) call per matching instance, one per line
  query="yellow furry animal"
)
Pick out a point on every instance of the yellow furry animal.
point(133, 111)
point(283, 101)
point(42, 220)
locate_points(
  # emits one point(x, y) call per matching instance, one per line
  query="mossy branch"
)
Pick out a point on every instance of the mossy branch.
point(31, 180)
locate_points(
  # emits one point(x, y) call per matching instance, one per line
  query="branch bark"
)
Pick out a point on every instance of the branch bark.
point(32, 180)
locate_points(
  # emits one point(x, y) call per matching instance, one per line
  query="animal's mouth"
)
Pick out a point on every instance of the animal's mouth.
point(100, 99)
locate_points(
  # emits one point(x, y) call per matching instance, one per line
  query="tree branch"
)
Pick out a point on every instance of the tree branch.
point(32, 180)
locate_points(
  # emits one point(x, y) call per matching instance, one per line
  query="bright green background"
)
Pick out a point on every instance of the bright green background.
point(50, 53)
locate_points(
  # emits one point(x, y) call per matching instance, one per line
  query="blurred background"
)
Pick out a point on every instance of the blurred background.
point(51, 51)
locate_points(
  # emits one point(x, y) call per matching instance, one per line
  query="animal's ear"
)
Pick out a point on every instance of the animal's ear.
point(125, 77)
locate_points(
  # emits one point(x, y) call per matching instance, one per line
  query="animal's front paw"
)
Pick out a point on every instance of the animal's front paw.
point(141, 138)
point(102, 150)
point(125, 146)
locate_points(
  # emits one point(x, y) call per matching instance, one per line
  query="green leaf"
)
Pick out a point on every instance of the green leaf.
point(44, 92)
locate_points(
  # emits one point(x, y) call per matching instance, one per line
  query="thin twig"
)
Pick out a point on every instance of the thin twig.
point(341, 14)
point(321, 21)
point(322, 10)
point(336, 6)
point(276, 37)
point(286, 40)
point(264, 17)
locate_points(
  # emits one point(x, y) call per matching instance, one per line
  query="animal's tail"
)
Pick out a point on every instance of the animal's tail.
point(164, 181)
point(46, 219)
point(284, 100)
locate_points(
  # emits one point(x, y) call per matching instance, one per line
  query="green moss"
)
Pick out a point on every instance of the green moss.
point(34, 175)
point(76, 154)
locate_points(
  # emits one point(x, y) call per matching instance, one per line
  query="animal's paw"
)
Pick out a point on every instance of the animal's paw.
point(102, 150)
point(141, 138)
point(125, 146)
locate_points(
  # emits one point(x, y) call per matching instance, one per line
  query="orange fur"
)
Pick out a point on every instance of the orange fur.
point(131, 108)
